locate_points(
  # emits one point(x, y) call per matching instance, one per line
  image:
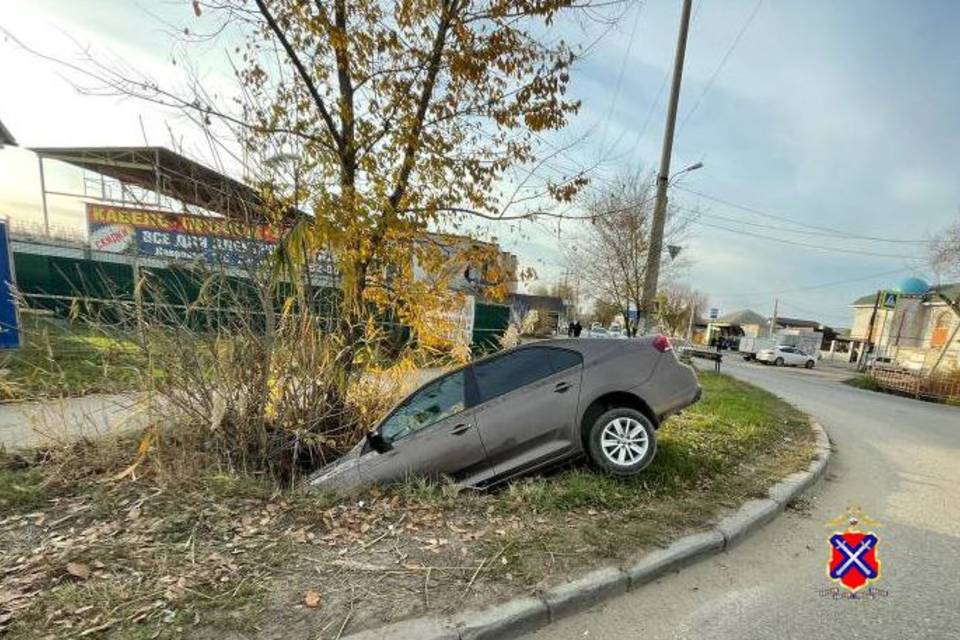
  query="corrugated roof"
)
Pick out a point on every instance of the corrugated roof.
point(742, 317)
point(174, 175)
point(784, 321)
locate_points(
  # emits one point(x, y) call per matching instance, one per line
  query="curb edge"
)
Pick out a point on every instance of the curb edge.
point(526, 614)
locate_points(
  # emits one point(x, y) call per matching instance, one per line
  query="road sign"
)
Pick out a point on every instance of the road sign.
point(9, 319)
point(714, 313)
point(888, 299)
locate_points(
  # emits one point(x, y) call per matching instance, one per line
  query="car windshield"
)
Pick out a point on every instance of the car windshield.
point(437, 401)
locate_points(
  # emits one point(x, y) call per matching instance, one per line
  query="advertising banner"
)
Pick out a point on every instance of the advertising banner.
point(171, 236)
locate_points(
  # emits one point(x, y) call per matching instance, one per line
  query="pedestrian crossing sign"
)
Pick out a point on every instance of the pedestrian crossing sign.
point(888, 299)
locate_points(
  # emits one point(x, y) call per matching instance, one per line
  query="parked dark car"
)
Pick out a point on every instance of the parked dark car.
point(526, 409)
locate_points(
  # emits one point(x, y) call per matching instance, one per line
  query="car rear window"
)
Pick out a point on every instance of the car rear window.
point(512, 371)
point(561, 359)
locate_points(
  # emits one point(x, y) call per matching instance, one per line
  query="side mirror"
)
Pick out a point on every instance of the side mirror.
point(378, 443)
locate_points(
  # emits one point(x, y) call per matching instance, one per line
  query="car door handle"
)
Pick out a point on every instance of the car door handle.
point(561, 387)
point(460, 429)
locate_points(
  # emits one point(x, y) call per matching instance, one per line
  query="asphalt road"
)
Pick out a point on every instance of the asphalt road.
point(896, 458)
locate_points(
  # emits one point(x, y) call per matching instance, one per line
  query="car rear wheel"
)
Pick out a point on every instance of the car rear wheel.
point(809, 364)
point(622, 442)
point(778, 362)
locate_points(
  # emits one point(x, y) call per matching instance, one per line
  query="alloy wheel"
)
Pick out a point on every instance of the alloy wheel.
point(624, 441)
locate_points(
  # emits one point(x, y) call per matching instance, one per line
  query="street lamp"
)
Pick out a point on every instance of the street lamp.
point(693, 167)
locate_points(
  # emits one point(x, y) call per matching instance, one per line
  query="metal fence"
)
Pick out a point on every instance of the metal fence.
point(942, 388)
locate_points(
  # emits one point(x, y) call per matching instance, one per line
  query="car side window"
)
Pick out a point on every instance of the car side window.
point(442, 399)
point(512, 371)
point(562, 359)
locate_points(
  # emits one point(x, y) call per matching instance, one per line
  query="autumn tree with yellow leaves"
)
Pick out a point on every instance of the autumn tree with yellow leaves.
point(403, 116)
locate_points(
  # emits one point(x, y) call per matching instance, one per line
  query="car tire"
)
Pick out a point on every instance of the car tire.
point(616, 446)
point(809, 364)
point(778, 362)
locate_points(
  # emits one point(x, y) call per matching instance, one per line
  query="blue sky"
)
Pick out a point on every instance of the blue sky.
point(840, 116)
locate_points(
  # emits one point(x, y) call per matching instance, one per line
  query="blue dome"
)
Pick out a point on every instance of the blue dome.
point(913, 286)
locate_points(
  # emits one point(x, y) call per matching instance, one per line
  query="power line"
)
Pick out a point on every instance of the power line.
point(765, 214)
point(723, 61)
point(616, 92)
point(656, 99)
point(800, 244)
point(829, 315)
point(825, 234)
point(824, 285)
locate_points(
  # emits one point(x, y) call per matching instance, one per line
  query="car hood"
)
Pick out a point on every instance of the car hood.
point(341, 476)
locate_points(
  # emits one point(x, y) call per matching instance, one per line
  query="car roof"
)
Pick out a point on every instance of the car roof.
point(587, 347)
point(590, 346)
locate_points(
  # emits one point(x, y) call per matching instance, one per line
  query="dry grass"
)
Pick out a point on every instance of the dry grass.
point(59, 360)
point(227, 555)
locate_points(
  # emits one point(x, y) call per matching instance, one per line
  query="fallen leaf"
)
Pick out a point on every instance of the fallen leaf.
point(311, 598)
point(103, 627)
point(78, 570)
point(299, 536)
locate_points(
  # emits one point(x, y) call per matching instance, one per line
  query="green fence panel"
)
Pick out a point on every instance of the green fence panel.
point(490, 321)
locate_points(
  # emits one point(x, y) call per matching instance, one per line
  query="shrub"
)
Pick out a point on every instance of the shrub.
point(865, 381)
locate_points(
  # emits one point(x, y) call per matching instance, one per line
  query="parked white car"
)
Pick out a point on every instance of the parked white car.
point(781, 355)
point(615, 331)
point(597, 330)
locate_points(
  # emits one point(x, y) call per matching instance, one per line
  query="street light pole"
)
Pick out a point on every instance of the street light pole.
point(652, 271)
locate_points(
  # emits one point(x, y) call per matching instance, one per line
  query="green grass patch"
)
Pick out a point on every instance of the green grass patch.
point(215, 554)
point(58, 359)
point(864, 381)
point(731, 446)
point(20, 488)
point(735, 424)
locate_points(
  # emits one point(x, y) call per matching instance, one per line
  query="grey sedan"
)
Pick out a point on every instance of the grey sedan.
point(525, 409)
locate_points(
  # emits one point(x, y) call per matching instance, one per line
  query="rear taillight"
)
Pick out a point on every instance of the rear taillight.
point(662, 344)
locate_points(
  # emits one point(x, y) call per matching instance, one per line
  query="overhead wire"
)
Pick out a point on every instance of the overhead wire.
point(723, 62)
point(616, 92)
point(813, 287)
point(698, 221)
point(766, 214)
point(760, 225)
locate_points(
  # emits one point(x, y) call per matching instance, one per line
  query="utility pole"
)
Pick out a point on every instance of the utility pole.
point(773, 320)
point(862, 360)
point(652, 271)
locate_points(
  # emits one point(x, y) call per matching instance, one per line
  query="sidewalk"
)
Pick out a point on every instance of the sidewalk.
point(29, 424)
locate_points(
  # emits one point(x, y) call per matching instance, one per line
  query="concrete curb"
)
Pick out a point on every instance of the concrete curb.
point(525, 615)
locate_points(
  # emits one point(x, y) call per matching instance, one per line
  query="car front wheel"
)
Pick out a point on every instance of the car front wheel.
point(809, 364)
point(622, 442)
point(778, 362)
